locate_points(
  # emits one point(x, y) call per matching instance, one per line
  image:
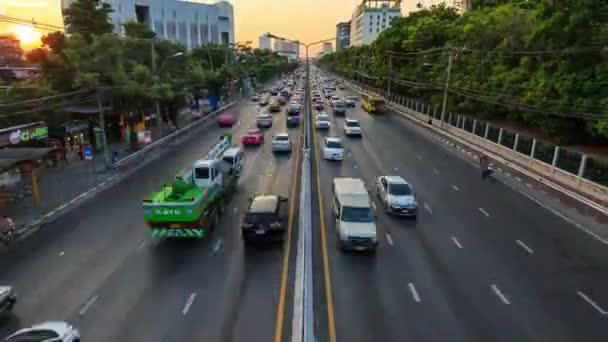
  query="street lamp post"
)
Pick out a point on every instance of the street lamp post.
point(159, 120)
point(306, 47)
point(448, 74)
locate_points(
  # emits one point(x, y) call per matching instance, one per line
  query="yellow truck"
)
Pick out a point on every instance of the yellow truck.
point(373, 105)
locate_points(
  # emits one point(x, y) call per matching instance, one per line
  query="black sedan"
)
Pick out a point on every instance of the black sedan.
point(265, 218)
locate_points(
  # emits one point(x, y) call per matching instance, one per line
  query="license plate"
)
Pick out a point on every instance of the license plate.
point(359, 248)
point(260, 231)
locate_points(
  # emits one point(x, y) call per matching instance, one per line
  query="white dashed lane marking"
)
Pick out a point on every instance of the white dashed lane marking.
point(456, 242)
point(88, 305)
point(189, 303)
point(414, 292)
point(592, 303)
point(484, 212)
point(524, 246)
point(500, 295)
point(455, 187)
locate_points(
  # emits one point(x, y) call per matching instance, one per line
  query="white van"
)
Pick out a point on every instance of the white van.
point(354, 215)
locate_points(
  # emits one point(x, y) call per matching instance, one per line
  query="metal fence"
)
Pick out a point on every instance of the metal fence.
point(583, 166)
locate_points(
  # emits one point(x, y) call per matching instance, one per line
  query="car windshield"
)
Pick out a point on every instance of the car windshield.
point(333, 144)
point(352, 123)
point(252, 131)
point(357, 214)
point(323, 118)
point(400, 189)
point(281, 138)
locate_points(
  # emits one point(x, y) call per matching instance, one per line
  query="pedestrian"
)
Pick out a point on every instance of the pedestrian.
point(114, 156)
point(81, 152)
point(7, 229)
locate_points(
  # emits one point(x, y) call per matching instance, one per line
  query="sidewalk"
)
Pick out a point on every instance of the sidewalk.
point(68, 183)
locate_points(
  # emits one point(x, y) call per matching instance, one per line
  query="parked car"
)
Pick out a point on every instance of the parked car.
point(8, 298)
point(254, 136)
point(265, 218)
point(50, 331)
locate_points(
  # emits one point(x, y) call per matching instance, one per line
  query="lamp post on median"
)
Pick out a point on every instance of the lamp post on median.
point(306, 47)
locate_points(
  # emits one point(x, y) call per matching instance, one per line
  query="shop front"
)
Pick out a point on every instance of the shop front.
point(72, 135)
point(28, 135)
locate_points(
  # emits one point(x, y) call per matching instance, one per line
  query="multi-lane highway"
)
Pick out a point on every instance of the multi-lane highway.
point(481, 263)
point(97, 268)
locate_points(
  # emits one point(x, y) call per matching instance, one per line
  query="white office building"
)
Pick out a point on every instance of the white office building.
point(370, 18)
point(265, 42)
point(291, 50)
point(189, 22)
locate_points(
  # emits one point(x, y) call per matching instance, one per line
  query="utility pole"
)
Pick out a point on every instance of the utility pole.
point(445, 88)
point(389, 76)
point(159, 119)
point(102, 126)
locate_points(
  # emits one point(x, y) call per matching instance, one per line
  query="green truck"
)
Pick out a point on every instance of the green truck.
point(193, 204)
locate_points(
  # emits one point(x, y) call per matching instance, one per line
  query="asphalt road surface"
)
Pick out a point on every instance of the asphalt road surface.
point(481, 263)
point(97, 268)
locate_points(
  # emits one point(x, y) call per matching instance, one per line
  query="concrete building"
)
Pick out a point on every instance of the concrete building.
point(370, 18)
point(342, 35)
point(288, 49)
point(327, 48)
point(190, 22)
point(11, 53)
point(265, 42)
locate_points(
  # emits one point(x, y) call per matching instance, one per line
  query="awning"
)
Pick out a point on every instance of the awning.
point(86, 109)
point(9, 157)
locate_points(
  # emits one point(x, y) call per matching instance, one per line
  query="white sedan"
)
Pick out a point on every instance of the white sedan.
point(352, 127)
point(51, 331)
point(333, 149)
point(281, 143)
point(322, 121)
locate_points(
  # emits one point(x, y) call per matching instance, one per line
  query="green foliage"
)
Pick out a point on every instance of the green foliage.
point(88, 18)
point(562, 77)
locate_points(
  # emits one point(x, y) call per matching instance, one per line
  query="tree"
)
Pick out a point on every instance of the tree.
point(524, 61)
point(88, 18)
point(138, 30)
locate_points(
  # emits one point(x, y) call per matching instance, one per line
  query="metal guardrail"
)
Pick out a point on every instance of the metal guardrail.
point(170, 137)
point(540, 178)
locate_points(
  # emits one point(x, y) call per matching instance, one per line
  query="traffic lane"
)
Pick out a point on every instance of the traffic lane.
point(75, 253)
point(214, 281)
point(503, 261)
point(255, 312)
point(548, 234)
point(389, 281)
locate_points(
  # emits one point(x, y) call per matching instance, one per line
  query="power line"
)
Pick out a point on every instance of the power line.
point(50, 107)
point(43, 26)
point(13, 104)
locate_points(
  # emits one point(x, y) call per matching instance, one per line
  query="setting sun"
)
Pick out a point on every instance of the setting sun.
point(28, 35)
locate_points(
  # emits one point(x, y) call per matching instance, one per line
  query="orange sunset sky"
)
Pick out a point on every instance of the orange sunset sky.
point(307, 20)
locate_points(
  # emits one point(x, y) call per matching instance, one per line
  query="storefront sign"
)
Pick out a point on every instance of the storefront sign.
point(23, 135)
point(75, 127)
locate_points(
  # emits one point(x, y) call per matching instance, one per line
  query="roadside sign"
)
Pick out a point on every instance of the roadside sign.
point(87, 151)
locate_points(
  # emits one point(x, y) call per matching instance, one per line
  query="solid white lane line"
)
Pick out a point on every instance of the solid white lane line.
point(217, 246)
point(484, 212)
point(414, 292)
point(500, 295)
point(88, 305)
point(428, 208)
point(189, 303)
point(455, 187)
point(389, 239)
point(456, 242)
point(524, 246)
point(594, 304)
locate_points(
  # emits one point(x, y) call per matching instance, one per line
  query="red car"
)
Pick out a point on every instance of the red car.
point(254, 136)
point(226, 119)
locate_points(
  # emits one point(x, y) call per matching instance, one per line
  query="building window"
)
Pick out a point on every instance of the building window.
point(370, 30)
point(377, 30)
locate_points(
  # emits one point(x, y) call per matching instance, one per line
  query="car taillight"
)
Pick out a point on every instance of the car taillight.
point(276, 224)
